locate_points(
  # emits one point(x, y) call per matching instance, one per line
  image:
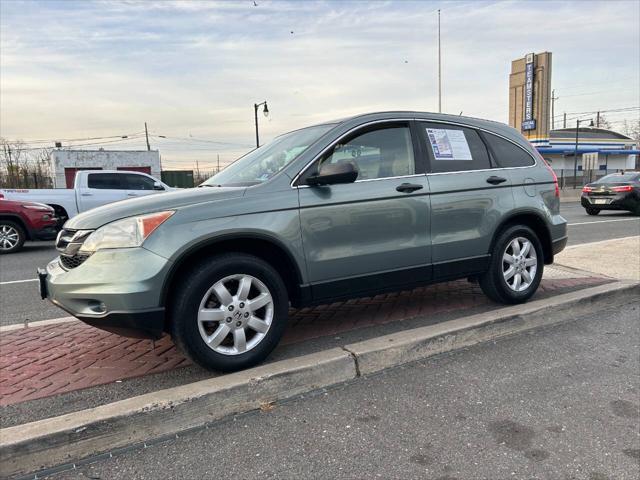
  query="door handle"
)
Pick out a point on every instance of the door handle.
point(493, 180)
point(87, 194)
point(132, 194)
point(408, 187)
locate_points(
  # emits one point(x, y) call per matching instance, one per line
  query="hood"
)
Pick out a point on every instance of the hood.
point(99, 216)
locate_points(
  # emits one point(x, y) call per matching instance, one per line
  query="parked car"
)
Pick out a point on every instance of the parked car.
point(617, 191)
point(21, 221)
point(351, 208)
point(93, 188)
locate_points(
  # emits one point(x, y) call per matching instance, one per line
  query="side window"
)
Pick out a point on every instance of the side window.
point(506, 154)
point(138, 182)
point(105, 181)
point(453, 149)
point(382, 153)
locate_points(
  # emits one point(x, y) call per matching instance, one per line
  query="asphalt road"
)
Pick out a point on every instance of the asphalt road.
point(20, 301)
point(561, 402)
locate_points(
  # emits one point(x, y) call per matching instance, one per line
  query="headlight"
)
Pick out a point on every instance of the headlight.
point(125, 233)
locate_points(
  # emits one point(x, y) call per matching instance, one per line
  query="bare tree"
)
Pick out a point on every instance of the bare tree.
point(603, 122)
point(21, 167)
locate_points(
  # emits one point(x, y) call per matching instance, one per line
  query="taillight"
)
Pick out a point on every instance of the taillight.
point(555, 177)
point(587, 189)
point(623, 188)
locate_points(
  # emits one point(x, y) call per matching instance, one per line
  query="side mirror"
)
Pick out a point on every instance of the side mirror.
point(158, 186)
point(334, 173)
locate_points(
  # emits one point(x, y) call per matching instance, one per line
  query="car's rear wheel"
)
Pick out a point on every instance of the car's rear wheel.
point(516, 266)
point(12, 237)
point(229, 313)
point(592, 211)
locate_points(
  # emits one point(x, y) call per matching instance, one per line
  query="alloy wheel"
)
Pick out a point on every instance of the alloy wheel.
point(519, 264)
point(235, 314)
point(9, 237)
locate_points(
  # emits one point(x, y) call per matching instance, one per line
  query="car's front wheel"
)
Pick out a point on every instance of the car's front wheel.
point(516, 266)
point(592, 211)
point(12, 237)
point(230, 312)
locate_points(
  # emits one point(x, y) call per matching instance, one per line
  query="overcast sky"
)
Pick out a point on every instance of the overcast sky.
point(193, 70)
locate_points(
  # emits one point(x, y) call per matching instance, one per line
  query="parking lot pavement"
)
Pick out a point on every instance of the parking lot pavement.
point(555, 403)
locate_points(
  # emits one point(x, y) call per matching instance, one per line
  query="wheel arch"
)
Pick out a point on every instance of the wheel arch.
point(60, 209)
point(17, 219)
point(265, 247)
point(535, 222)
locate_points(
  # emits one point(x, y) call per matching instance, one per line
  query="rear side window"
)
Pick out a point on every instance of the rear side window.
point(138, 182)
point(454, 149)
point(105, 181)
point(506, 154)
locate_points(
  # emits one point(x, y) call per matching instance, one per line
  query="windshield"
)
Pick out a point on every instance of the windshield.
point(263, 163)
point(619, 177)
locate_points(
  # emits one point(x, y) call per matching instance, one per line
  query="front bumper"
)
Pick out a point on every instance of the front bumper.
point(116, 290)
point(45, 233)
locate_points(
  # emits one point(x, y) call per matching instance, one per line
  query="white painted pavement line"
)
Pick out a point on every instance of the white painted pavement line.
point(19, 281)
point(604, 221)
point(39, 323)
point(591, 244)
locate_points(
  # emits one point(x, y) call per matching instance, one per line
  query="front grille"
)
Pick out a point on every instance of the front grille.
point(68, 244)
point(73, 261)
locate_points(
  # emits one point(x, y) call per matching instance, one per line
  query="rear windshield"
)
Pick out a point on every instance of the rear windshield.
point(620, 177)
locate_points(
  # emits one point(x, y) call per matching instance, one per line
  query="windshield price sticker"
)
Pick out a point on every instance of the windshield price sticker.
point(448, 144)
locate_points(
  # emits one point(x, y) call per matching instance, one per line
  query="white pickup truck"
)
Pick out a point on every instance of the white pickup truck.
point(92, 189)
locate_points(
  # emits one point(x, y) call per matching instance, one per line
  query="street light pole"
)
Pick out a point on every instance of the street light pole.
point(265, 110)
point(439, 68)
point(575, 152)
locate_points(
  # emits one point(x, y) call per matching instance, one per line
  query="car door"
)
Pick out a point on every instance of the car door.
point(374, 233)
point(101, 188)
point(469, 195)
point(139, 185)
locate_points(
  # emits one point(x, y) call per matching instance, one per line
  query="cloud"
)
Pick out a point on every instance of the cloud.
point(71, 69)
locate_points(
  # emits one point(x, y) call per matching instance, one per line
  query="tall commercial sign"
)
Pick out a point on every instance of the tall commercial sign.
point(530, 96)
point(529, 123)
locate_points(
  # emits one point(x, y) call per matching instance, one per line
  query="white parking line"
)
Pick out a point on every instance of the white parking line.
point(39, 323)
point(604, 221)
point(19, 281)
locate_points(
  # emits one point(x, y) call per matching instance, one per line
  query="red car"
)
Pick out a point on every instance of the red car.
point(20, 221)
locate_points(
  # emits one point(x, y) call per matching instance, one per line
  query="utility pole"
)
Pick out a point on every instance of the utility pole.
point(146, 133)
point(198, 169)
point(439, 68)
point(218, 169)
point(553, 110)
point(598, 120)
point(564, 122)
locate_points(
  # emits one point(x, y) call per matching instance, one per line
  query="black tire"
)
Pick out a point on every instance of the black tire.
point(493, 283)
point(183, 312)
point(12, 228)
point(592, 211)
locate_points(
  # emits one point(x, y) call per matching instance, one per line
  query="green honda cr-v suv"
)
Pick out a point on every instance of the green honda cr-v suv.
point(355, 207)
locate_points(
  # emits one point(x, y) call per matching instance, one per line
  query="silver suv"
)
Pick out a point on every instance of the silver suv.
point(351, 208)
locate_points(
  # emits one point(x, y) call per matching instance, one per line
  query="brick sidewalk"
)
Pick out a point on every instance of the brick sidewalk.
point(38, 362)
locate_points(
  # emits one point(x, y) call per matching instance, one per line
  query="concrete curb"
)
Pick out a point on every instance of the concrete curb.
point(395, 349)
point(54, 441)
